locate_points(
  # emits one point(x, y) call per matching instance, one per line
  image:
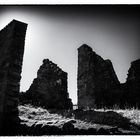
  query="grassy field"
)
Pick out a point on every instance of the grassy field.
point(132, 114)
point(36, 115)
point(97, 119)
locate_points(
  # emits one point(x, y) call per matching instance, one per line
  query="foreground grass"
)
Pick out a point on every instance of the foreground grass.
point(107, 119)
point(36, 115)
point(132, 114)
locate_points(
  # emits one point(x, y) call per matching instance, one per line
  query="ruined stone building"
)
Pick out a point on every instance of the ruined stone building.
point(98, 85)
point(132, 88)
point(95, 75)
point(12, 39)
point(49, 89)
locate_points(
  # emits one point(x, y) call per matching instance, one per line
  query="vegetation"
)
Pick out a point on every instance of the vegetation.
point(101, 121)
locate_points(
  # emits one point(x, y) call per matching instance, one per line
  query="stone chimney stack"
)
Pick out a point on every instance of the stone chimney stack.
point(12, 40)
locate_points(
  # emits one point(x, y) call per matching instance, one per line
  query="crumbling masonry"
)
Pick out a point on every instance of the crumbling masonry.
point(132, 85)
point(49, 89)
point(95, 75)
point(98, 85)
point(12, 39)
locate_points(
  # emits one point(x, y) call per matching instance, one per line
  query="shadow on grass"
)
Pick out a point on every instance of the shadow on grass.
point(107, 118)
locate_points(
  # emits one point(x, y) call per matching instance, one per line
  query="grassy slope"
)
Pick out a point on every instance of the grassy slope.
point(31, 115)
point(36, 115)
point(132, 114)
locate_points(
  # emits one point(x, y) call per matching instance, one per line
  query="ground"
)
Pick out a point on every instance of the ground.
point(101, 121)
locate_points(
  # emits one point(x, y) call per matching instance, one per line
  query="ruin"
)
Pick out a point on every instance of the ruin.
point(49, 89)
point(98, 85)
point(95, 76)
point(133, 84)
point(12, 39)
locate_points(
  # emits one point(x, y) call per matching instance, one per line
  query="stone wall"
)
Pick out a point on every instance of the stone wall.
point(133, 84)
point(95, 77)
point(49, 89)
point(12, 39)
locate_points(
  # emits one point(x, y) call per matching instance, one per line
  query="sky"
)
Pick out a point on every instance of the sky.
point(56, 32)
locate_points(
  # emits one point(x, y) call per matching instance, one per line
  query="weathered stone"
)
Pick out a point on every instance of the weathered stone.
point(49, 89)
point(11, 54)
point(132, 88)
point(134, 72)
point(98, 85)
point(95, 75)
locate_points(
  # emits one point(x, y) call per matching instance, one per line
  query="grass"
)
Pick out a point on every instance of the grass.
point(36, 115)
point(132, 114)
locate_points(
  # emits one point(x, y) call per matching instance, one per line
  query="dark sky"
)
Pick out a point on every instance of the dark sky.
point(55, 32)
